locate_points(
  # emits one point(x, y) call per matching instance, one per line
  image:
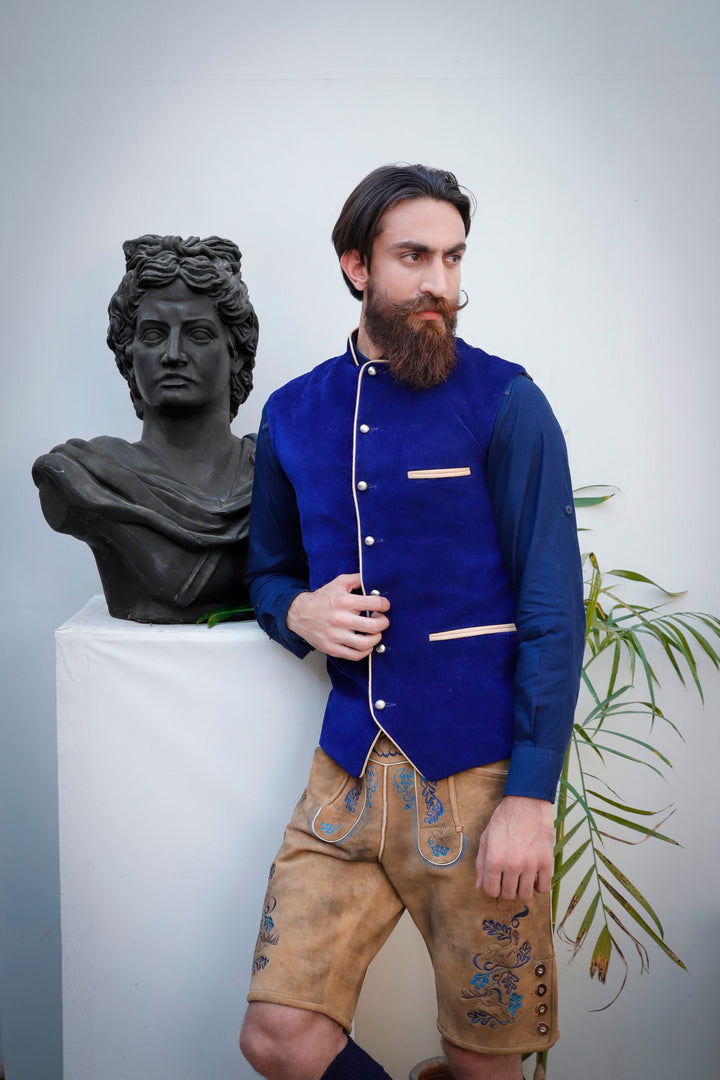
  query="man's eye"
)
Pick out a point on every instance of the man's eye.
point(152, 337)
point(200, 336)
point(412, 256)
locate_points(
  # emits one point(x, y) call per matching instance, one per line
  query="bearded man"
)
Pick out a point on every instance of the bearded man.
point(413, 518)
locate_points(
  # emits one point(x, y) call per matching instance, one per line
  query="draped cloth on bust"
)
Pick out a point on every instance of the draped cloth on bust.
point(110, 484)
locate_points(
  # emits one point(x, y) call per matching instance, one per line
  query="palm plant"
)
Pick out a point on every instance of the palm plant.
point(623, 640)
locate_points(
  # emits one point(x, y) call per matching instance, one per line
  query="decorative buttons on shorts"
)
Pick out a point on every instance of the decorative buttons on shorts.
point(542, 1029)
point(541, 990)
point(541, 1009)
point(540, 970)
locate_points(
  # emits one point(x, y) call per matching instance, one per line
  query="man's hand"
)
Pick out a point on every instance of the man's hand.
point(515, 854)
point(329, 619)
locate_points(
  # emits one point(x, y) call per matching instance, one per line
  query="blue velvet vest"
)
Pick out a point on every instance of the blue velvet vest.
point(391, 480)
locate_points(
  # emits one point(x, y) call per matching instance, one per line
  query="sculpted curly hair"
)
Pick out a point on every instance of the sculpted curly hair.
point(211, 267)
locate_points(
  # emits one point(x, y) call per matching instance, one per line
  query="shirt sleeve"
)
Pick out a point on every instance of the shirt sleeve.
point(277, 563)
point(532, 500)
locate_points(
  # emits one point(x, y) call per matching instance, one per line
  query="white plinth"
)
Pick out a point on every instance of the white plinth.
point(182, 752)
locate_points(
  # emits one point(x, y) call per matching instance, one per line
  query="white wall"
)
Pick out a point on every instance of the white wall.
point(588, 132)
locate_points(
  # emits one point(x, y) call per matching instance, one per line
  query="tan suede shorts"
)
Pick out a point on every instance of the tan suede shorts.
point(355, 855)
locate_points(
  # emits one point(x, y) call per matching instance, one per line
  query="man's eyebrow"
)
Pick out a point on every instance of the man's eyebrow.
point(416, 245)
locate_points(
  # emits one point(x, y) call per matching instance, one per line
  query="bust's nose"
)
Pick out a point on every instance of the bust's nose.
point(174, 354)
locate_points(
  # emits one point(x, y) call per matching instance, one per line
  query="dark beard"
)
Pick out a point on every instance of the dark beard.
point(419, 352)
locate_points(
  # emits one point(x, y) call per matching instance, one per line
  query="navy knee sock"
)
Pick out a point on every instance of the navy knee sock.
point(352, 1063)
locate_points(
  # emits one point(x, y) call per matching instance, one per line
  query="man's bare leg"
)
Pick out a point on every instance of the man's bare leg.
point(467, 1065)
point(282, 1043)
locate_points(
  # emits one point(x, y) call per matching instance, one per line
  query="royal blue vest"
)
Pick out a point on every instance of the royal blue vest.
point(391, 480)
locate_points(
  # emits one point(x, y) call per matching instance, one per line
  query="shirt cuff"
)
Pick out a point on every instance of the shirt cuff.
point(534, 772)
point(276, 627)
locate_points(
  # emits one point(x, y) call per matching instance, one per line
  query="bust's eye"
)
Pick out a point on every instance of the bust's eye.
point(200, 335)
point(152, 336)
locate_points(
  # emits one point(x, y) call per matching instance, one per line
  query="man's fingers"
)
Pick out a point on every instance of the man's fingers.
point(543, 881)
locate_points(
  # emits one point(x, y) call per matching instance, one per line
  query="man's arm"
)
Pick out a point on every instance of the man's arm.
point(330, 618)
point(531, 493)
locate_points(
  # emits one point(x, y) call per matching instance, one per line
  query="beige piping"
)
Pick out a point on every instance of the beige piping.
point(360, 549)
point(473, 631)
point(437, 474)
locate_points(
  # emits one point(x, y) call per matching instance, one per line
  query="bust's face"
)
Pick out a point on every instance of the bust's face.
point(180, 352)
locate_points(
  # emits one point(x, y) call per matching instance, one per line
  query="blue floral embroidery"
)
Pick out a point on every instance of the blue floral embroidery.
point(352, 799)
point(404, 784)
point(433, 807)
point(437, 848)
point(268, 935)
point(328, 828)
point(372, 779)
point(495, 990)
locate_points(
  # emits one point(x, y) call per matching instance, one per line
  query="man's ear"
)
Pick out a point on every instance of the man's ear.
point(355, 269)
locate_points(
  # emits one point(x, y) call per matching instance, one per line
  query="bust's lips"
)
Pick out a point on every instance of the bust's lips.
point(175, 381)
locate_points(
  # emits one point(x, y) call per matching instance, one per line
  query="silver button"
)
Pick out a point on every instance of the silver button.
point(372, 371)
point(369, 541)
point(380, 648)
point(362, 486)
point(364, 429)
point(374, 592)
point(380, 704)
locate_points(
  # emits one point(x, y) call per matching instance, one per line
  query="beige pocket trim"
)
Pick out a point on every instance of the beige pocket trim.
point(473, 631)
point(437, 474)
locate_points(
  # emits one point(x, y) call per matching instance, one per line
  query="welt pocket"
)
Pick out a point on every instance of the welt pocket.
point(473, 631)
point(438, 474)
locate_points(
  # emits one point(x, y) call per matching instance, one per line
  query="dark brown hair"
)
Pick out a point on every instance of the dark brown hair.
point(359, 221)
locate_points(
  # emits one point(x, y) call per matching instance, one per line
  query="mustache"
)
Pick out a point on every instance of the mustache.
point(448, 309)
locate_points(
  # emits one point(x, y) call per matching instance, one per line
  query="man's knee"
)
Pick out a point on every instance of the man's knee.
point(273, 1034)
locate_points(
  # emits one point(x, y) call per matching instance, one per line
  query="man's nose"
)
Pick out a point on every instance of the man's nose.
point(174, 353)
point(435, 278)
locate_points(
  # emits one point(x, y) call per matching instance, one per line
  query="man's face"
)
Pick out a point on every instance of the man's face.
point(411, 296)
point(180, 352)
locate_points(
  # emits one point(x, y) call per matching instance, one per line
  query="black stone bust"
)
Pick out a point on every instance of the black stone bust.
point(167, 517)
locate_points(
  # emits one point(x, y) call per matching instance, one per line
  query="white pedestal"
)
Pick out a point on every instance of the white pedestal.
point(182, 752)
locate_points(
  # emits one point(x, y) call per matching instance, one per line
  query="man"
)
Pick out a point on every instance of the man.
point(413, 519)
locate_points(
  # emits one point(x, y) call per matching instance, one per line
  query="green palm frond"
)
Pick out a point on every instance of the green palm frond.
point(635, 643)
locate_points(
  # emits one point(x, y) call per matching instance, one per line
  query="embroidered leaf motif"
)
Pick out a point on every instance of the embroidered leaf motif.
point(438, 849)
point(352, 799)
point(434, 807)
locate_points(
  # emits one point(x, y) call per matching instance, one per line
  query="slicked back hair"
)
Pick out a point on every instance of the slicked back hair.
point(359, 221)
